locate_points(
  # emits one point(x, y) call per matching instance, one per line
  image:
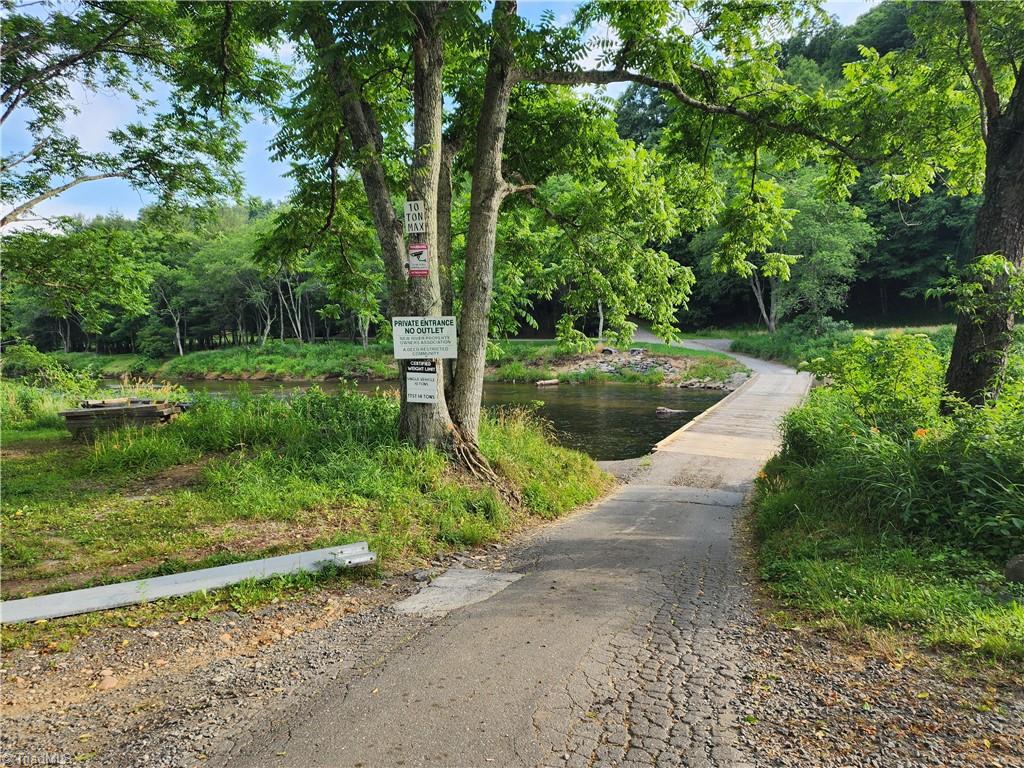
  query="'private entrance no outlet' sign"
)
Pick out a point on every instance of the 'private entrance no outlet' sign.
point(424, 338)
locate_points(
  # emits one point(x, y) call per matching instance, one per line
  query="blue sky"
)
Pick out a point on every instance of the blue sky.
point(101, 112)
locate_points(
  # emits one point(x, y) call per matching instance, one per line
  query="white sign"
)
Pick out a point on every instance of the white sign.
point(419, 260)
point(415, 217)
point(422, 338)
point(421, 381)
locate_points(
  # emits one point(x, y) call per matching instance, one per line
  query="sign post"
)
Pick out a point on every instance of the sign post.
point(422, 338)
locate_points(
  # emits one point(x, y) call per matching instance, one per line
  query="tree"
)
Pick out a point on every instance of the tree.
point(830, 239)
point(182, 150)
point(950, 106)
point(353, 110)
point(994, 36)
point(100, 270)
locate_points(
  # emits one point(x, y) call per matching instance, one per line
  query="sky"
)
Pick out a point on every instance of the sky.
point(102, 112)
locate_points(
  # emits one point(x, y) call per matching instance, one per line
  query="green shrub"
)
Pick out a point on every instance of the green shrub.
point(27, 407)
point(960, 481)
point(39, 369)
point(881, 510)
point(894, 382)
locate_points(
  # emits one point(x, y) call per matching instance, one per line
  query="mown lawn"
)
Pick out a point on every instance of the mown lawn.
point(276, 359)
point(794, 346)
point(235, 480)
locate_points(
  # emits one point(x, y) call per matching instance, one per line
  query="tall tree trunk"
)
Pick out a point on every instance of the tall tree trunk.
point(444, 250)
point(488, 191)
point(420, 423)
point(426, 423)
point(600, 321)
point(758, 288)
point(177, 334)
point(65, 336)
point(982, 341)
point(363, 322)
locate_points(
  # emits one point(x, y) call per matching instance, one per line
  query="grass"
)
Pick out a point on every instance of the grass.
point(794, 346)
point(234, 480)
point(882, 511)
point(108, 366)
point(275, 360)
point(515, 361)
point(843, 573)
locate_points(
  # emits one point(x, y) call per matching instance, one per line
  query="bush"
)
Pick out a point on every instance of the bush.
point(894, 383)
point(881, 510)
point(27, 407)
point(38, 369)
point(873, 445)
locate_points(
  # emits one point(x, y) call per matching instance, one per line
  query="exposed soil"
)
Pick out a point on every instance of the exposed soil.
point(170, 479)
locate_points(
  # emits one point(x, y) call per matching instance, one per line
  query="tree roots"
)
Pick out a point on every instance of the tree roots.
point(469, 458)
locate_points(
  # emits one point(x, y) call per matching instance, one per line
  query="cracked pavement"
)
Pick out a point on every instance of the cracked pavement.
point(619, 646)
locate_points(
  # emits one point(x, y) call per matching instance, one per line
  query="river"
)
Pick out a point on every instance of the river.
point(607, 421)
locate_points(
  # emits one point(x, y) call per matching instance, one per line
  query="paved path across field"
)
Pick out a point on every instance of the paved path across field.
point(617, 647)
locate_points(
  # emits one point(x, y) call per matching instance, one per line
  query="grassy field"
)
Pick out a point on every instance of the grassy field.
point(794, 346)
point(509, 360)
point(234, 480)
point(276, 360)
point(883, 512)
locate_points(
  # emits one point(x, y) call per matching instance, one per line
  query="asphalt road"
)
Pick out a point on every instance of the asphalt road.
point(617, 646)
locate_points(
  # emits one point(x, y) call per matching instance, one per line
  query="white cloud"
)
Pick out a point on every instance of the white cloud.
point(99, 114)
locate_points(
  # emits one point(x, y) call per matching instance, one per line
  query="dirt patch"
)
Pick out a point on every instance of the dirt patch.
point(814, 699)
point(170, 479)
point(25, 449)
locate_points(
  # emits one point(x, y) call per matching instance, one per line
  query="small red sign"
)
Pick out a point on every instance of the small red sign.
point(419, 260)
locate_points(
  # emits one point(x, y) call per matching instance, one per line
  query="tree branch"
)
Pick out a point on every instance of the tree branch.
point(18, 91)
point(7, 165)
point(14, 214)
point(605, 77)
point(333, 163)
point(988, 88)
point(225, 68)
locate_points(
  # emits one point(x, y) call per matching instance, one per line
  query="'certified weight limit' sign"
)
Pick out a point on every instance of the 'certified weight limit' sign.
point(423, 338)
point(421, 381)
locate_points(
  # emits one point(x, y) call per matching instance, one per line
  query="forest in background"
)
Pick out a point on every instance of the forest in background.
point(202, 278)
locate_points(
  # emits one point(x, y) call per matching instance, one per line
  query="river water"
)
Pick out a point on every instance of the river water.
point(606, 420)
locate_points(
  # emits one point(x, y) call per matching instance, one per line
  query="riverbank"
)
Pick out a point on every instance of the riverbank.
point(510, 361)
point(254, 477)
